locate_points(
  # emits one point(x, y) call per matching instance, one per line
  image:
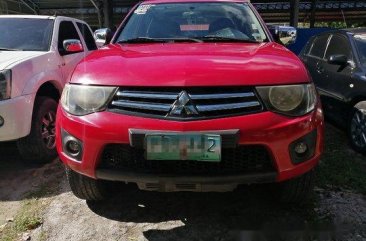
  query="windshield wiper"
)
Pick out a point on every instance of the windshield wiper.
point(142, 40)
point(159, 40)
point(7, 49)
point(210, 38)
point(184, 40)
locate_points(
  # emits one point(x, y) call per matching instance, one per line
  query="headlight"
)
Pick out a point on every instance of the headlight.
point(292, 100)
point(84, 99)
point(5, 84)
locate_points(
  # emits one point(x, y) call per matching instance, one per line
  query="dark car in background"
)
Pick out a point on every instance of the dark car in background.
point(336, 61)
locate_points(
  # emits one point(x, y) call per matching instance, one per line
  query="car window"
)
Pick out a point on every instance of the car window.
point(67, 31)
point(338, 45)
point(193, 20)
point(25, 34)
point(88, 36)
point(360, 40)
point(305, 50)
point(318, 46)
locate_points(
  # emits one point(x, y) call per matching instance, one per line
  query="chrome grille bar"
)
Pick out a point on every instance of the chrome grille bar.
point(148, 95)
point(221, 96)
point(206, 108)
point(142, 105)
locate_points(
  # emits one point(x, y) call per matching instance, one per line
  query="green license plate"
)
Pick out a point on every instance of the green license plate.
point(197, 147)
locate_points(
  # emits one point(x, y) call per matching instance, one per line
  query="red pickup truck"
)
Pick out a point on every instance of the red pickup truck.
point(190, 95)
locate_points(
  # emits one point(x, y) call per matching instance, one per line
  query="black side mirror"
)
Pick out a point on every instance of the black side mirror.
point(108, 36)
point(338, 59)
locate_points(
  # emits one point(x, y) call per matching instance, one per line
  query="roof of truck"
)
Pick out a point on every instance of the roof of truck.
point(41, 17)
point(28, 16)
point(190, 1)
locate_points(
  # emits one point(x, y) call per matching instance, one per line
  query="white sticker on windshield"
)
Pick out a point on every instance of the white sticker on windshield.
point(142, 9)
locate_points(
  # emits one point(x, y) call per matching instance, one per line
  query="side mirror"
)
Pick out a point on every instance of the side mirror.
point(72, 46)
point(103, 36)
point(338, 59)
point(283, 34)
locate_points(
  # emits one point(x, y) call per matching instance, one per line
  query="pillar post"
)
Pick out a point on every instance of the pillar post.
point(312, 15)
point(108, 13)
point(294, 14)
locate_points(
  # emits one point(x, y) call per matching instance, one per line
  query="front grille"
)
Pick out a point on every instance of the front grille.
point(188, 103)
point(241, 160)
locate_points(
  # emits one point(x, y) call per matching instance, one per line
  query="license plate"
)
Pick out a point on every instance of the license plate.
point(197, 147)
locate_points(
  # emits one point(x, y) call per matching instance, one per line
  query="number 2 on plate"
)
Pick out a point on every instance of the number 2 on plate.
point(213, 144)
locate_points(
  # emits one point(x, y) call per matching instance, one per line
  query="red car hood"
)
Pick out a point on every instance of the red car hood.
point(191, 64)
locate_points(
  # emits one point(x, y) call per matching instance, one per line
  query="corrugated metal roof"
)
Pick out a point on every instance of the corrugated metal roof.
point(271, 10)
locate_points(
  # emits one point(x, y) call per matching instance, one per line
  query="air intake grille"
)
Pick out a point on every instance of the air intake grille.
point(186, 103)
point(241, 160)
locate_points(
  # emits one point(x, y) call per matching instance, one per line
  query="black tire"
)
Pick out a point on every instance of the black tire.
point(34, 148)
point(297, 190)
point(85, 187)
point(357, 129)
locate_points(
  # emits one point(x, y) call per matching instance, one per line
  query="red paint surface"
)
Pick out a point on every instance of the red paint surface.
point(192, 64)
point(272, 130)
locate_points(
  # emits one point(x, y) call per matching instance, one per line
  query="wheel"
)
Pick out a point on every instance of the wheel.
point(40, 145)
point(85, 187)
point(297, 190)
point(357, 129)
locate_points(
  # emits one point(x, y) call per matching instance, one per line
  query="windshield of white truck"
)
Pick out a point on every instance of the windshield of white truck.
point(25, 34)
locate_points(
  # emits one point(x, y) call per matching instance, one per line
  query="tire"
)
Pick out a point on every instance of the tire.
point(297, 190)
point(85, 187)
point(357, 129)
point(40, 145)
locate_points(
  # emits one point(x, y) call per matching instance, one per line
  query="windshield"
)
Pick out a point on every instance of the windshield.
point(360, 41)
point(25, 34)
point(195, 21)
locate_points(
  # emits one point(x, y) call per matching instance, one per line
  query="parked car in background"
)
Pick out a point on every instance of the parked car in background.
point(37, 55)
point(191, 96)
point(336, 61)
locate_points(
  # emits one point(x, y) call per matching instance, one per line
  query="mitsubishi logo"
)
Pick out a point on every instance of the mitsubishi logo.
point(183, 106)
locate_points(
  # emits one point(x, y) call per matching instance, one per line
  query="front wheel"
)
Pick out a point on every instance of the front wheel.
point(40, 145)
point(85, 187)
point(357, 129)
point(297, 190)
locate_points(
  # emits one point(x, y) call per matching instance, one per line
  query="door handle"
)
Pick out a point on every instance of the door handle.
point(319, 68)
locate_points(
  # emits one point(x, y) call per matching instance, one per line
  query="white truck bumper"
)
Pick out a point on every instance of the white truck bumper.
point(17, 116)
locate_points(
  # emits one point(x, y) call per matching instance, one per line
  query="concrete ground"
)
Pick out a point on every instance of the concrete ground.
point(36, 204)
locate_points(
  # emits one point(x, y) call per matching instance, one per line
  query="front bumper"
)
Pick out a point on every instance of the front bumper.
point(17, 115)
point(272, 131)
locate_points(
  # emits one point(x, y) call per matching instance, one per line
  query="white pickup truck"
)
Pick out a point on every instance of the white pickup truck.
point(37, 55)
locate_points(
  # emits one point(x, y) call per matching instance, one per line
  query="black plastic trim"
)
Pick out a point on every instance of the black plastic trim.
point(68, 137)
point(310, 140)
point(113, 175)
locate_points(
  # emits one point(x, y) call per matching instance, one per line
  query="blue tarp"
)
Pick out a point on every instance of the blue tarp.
point(303, 35)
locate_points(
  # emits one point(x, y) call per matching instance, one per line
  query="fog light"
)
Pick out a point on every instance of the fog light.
point(301, 148)
point(1, 121)
point(73, 147)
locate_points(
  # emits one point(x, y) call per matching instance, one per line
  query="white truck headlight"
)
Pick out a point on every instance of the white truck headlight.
point(5, 84)
point(291, 100)
point(85, 99)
